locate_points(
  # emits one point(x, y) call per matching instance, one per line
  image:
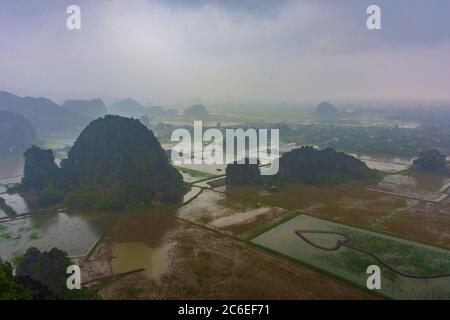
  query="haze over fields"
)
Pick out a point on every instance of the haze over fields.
point(218, 52)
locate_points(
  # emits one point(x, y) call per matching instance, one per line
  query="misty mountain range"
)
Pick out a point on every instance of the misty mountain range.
point(72, 116)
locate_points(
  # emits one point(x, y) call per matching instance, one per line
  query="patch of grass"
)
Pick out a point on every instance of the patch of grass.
point(350, 265)
point(400, 205)
point(5, 236)
point(202, 275)
point(34, 235)
point(35, 226)
point(261, 230)
point(17, 258)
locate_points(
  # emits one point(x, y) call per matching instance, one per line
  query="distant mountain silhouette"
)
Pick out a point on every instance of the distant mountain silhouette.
point(127, 108)
point(196, 110)
point(159, 111)
point(16, 133)
point(89, 108)
point(326, 109)
point(43, 114)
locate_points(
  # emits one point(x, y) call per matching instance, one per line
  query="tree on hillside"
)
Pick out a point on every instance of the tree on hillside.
point(50, 270)
point(10, 289)
point(196, 110)
point(431, 161)
point(243, 174)
point(40, 170)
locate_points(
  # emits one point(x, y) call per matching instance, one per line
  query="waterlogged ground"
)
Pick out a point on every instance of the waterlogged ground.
point(11, 169)
point(73, 233)
point(196, 263)
point(353, 204)
point(385, 163)
point(16, 202)
point(131, 256)
point(195, 252)
point(200, 251)
point(230, 214)
point(407, 256)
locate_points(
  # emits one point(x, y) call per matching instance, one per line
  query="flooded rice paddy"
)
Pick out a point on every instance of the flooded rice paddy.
point(132, 256)
point(384, 163)
point(74, 233)
point(230, 214)
point(15, 201)
point(407, 256)
point(351, 203)
point(163, 245)
point(202, 265)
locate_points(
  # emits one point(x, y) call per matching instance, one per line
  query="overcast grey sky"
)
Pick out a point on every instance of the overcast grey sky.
point(167, 52)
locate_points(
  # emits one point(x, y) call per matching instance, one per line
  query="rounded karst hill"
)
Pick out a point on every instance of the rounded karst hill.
point(196, 110)
point(119, 161)
point(326, 109)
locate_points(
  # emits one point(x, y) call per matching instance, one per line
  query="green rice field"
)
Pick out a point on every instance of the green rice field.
point(351, 265)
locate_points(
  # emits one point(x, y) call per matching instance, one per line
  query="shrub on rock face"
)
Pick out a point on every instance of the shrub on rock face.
point(10, 288)
point(40, 170)
point(431, 161)
point(48, 273)
point(243, 174)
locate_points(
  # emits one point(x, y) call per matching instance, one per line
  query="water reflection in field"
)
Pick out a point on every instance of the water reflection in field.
point(17, 202)
point(131, 256)
point(407, 256)
point(73, 233)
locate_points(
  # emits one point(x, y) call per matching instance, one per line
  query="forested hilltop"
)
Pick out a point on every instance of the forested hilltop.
point(115, 163)
point(307, 165)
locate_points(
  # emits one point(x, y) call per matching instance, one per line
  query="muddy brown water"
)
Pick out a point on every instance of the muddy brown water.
point(75, 233)
point(131, 256)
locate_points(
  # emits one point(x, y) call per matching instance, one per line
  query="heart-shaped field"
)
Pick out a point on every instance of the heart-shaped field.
point(339, 242)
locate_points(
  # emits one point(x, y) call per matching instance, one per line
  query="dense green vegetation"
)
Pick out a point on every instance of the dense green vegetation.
point(89, 108)
point(116, 162)
point(10, 288)
point(307, 165)
point(243, 174)
point(40, 170)
point(42, 177)
point(372, 140)
point(431, 161)
point(16, 133)
point(49, 269)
